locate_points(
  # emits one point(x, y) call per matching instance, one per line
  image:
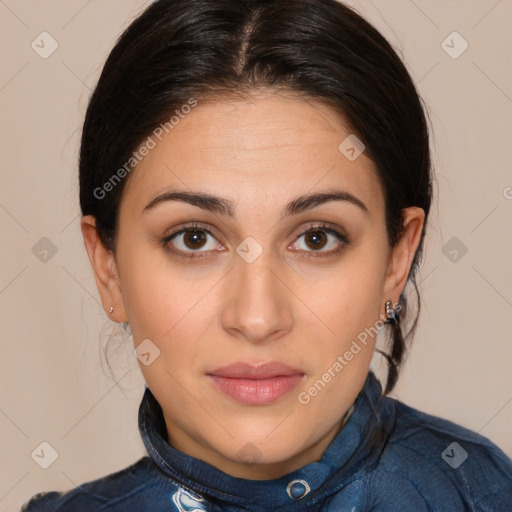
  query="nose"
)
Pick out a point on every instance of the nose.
point(257, 304)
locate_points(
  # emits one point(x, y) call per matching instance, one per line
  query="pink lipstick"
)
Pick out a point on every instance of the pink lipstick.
point(256, 385)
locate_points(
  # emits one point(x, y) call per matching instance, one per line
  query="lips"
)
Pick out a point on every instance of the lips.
point(256, 385)
point(262, 371)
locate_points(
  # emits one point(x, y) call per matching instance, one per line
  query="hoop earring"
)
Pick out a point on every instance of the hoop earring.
point(391, 314)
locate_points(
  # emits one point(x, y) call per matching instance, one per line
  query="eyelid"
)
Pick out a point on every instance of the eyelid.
point(322, 226)
point(190, 227)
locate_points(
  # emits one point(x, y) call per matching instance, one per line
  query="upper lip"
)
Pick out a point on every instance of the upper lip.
point(262, 371)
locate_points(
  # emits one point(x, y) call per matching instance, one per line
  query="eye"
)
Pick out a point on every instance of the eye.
point(320, 239)
point(191, 240)
point(195, 241)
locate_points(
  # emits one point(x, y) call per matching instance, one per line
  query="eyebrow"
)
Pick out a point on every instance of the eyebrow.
point(225, 206)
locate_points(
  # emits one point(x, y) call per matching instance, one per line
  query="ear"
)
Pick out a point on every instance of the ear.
point(105, 271)
point(402, 255)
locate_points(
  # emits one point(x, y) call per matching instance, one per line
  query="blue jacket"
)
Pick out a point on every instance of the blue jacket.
point(421, 463)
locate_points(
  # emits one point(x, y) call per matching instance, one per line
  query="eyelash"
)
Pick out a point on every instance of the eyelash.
point(305, 254)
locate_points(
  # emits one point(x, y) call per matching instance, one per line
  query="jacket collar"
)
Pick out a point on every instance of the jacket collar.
point(346, 457)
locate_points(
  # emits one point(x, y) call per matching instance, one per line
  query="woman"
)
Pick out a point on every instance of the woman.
point(255, 183)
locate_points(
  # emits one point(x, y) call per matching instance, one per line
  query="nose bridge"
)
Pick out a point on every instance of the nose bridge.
point(257, 306)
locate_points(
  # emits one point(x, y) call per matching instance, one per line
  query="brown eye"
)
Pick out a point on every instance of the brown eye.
point(194, 239)
point(316, 239)
point(320, 240)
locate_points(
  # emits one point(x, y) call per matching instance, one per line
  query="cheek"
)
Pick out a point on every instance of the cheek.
point(167, 305)
point(348, 300)
point(150, 293)
point(347, 311)
point(346, 307)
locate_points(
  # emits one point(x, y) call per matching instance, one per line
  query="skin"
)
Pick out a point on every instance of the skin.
point(206, 313)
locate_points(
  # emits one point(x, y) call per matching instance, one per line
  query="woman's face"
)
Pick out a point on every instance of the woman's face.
point(246, 285)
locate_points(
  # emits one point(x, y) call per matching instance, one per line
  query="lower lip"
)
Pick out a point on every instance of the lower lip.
point(257, 392)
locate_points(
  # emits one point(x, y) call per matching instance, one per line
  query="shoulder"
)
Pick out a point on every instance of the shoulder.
point(442, 464)
point(137, 479)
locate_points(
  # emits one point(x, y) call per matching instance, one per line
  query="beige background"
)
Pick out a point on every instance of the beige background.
point(53, 385)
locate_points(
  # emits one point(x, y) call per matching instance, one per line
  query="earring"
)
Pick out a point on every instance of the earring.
point(111, 310)
point(391, 314)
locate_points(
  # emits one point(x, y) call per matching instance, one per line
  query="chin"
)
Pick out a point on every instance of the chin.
point(261, 451)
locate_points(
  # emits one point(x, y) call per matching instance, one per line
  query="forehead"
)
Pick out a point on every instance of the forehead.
point(263, 149)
